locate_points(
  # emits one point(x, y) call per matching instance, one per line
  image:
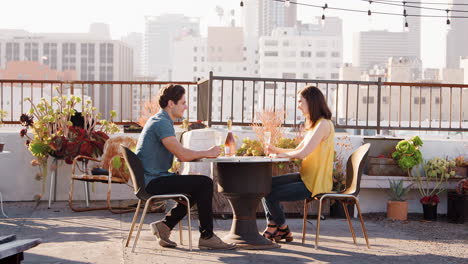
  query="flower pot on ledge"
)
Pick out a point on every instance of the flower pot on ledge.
point(385, 167)
point(397, 210)
point(430, 212)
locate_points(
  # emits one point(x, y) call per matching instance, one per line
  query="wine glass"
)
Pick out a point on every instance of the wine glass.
point(219, 142)
point(267, 137)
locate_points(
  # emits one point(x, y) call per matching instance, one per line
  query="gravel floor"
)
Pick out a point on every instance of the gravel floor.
point(99, 237)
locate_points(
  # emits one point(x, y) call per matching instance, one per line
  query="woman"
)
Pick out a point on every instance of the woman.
point(316, 151)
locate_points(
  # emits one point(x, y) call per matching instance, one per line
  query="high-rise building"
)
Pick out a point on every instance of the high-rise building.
point(375, 47)
point(91, 56)
point(262, 16)
point(135, 41)
point(413, 10)
point(160, 33)
point(457, 39)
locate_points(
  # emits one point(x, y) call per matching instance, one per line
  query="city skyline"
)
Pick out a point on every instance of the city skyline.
point(433, 30)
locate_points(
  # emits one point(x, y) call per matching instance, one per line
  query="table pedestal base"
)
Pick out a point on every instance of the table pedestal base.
point(244, 230)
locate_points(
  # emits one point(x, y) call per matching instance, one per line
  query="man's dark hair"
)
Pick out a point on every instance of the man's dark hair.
point(171, 92)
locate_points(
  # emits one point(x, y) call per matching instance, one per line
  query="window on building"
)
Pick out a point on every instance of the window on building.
point(195, 68)
point(437, 100)
point(271, 54)
point(321, 64)
point(195, 49)
point(285, 43)
point(334, 76)
point(306, 54)
point(368, 100)
point(271, 42)
point(195, 58)
point(289, 75)
point(320, 54)
point(335, 54)
point(305, 75)
point(419, 100)
point(385, 99)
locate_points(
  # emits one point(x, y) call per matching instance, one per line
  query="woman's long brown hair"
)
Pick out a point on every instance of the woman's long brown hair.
point(317, 105)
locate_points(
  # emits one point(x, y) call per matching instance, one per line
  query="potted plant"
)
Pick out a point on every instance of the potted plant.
point(457, 203)
point(397, 206)
point(436, 172)
point(461, 167)
point(407, 153)
point(3, 114)
point(54, 135)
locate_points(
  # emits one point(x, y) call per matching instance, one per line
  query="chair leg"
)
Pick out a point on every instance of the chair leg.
point(181, 239)
point(148, 202)
point(135, 216)
point(189, 223)
point(317, 233)
point(304, 221)
point(75, 209)
point(351, 229)
point(364, 231)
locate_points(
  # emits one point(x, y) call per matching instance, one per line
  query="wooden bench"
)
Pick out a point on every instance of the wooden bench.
point(11, 250)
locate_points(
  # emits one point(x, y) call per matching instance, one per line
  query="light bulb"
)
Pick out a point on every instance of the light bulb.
point(242, 3)
point(287, 3)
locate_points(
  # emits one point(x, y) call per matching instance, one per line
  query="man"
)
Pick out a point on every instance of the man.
point(156, 148)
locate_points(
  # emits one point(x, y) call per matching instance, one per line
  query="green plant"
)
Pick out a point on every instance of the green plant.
point(397, 191)
point(54, 134)
point(343, 145)
point(437, 171)
point(407, 153)
point(250, 147)
point(3, 114)
point(460, 161)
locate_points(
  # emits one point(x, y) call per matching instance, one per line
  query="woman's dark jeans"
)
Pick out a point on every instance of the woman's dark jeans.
point(288, 187)
point(200, 189)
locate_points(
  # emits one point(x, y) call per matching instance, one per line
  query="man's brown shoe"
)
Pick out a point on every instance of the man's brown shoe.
point(214, 242)
point(162, 232)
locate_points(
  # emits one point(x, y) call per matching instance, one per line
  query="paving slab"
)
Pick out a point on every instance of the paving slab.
point(99, 237)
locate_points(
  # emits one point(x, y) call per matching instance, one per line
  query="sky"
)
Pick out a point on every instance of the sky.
point(124, 16)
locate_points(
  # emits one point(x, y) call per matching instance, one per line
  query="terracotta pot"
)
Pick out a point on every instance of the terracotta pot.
point(397, 210)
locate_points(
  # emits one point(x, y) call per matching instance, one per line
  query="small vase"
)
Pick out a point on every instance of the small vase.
point(430, 212)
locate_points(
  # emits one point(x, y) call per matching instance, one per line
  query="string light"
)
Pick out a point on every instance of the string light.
point(325, 6)
point(448, 20)
point(242, 3)
point(406, 29)
point(369, 11)
point(287, 3)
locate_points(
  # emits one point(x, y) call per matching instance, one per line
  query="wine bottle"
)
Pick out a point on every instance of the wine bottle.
point(230, 143)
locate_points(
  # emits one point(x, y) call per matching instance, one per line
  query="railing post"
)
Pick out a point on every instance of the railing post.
point(210, 98)
point(72, 90)
point(379, 95)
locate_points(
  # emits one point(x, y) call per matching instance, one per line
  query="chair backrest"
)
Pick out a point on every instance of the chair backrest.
point(354, 168)
point(111, 150)
point(137, 173)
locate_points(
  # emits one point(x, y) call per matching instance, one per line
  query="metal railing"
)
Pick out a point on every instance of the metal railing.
point(355, 104)
point(126, 98)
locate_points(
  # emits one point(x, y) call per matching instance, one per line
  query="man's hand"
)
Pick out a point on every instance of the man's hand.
point(213, 152)
point(270, 149)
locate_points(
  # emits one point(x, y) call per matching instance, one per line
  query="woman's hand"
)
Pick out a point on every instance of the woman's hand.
point(279, 155)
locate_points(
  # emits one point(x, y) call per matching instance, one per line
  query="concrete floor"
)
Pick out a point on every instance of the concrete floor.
point(99, 237)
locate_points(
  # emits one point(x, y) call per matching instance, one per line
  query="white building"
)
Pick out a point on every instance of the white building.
point(160, 33)
point(404, 69)
point(375, 47)
point(135, 41)
point(262, 16)
point(457, 39)
point(94, 58)
point(310, 52)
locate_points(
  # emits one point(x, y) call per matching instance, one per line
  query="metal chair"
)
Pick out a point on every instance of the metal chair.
point(137, 175)
point(120, 176)
point(354, 168)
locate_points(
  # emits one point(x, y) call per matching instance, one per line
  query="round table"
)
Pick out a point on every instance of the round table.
point(244, 181)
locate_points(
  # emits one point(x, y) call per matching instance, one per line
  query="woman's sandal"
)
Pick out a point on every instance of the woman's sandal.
point(286, 234)
point(269, 235)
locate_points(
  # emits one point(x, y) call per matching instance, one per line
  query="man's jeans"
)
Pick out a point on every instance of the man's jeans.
point(200, 189)
point(288, 187)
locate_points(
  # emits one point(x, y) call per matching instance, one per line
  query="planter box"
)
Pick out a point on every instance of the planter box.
point(460, 172)
point(457, 207)
point(132, 129)
point(385, 167)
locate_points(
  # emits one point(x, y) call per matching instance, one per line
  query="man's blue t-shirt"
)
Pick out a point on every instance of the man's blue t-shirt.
point(156, 159)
